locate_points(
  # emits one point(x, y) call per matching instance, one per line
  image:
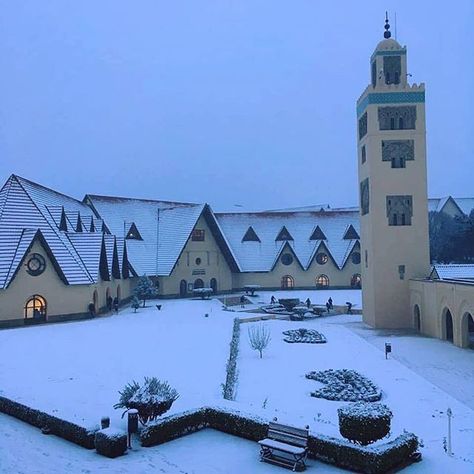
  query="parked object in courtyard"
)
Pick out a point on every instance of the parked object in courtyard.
point(203, 293)
point(152, 399)
point(310, 336)
point(285, 446)
point(289, 303)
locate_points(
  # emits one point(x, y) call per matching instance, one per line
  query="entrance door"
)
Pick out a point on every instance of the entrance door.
point(214, 285)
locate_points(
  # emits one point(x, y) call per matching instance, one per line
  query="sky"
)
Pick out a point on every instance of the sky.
point(245, 104)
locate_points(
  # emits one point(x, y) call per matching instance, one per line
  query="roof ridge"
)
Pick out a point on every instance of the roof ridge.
point(122, 198)
point(9, 183)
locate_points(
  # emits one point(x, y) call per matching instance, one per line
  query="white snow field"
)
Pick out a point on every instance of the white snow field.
point(74, 370)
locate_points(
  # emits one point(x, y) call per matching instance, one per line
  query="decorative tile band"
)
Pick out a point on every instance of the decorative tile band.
point(390, 98)
point(390, 52)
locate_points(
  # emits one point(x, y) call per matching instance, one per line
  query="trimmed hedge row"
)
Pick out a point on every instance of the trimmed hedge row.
point(65, 429)
point(110, 442)
point(228, 388)
point(370, 460)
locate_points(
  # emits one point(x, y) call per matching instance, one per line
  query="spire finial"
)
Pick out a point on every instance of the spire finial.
point(387, 33)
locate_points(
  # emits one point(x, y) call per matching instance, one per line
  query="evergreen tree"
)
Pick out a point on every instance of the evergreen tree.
point(145, 289)
point(135, 303)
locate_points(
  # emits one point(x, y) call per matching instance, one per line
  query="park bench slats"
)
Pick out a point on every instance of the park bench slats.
point(285, 445)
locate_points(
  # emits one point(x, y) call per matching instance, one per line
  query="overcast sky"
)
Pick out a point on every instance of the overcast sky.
point(248, 102)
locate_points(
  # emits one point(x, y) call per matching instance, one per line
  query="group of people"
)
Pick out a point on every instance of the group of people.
point(112, 304)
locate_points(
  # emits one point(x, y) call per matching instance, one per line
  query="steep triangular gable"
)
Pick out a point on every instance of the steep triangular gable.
point(92, 226)
point(434, 274)
point(63, 221)
point(125, 263)
point(103, 264)
point(115, 262)
point(24, 251)
point(321, 247)
point(286, 247)
point(351, 233)
point(133, 233)
point(250, 236)
point(283, 235)
point(317, 234)
point(79, 227)
point(352, 247)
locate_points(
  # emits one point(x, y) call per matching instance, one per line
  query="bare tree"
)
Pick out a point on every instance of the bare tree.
point(259, 337)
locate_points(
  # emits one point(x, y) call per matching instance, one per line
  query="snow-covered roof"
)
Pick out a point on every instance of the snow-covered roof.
point(464, 204)
point(255, 256)
point(164, 228)
point(29, 211)
point(453, 271)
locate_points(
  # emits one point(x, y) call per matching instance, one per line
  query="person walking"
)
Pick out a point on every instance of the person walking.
point(328, 307)
point(116, 305)
point(308, 303)
point(349, 307)
point(91, 308)
point(330, 303)
point(272, 300)
point(242, 301)
point(109, 303)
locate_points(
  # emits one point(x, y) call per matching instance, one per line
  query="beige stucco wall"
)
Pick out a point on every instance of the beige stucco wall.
point(385, 295)
point(213, 264)
point(61, 299)
point(302, 278)
point(434, 298)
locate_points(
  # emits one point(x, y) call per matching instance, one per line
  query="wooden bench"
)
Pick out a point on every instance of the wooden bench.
point(285, 446)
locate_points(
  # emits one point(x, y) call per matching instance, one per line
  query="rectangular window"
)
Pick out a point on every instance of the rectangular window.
point(197, 235)
point(401, 117)
point(366, 260)
point(363, 126)
point(364, 154)
point(401, 271)
point(399, 210)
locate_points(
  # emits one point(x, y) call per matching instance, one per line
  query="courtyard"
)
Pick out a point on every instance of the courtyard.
point(75, 370)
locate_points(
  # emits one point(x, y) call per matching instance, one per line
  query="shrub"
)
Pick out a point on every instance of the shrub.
point(145, 289)
point(228, 388)
point(364, 423)
point(345, 386)
point(310, 336)
point(151, 400)
point(110, 442)
point(135, 303)
point(259, 337)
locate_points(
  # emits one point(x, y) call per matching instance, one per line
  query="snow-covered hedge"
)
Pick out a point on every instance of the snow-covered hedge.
point(228, 388)
point(342, 453)
point(64, 429)
point(310, 336)
point(111, 442)
point(364, 423)
point(345, 385)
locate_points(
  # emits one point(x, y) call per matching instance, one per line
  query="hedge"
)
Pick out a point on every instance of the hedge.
point(111, 442)
point(374, 459)
point(65, 429)
point(228, 388)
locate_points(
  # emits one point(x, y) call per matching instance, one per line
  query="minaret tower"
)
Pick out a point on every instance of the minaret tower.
point(391, 138)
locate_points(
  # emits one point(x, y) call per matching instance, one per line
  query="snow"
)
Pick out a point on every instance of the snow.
point(75, 370)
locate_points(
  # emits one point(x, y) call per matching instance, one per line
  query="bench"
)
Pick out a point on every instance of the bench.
point(285, 446)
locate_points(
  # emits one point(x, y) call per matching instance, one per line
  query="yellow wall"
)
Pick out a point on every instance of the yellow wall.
point(61, 299)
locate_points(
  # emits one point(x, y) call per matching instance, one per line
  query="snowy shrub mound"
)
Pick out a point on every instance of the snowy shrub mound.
point(304, 335)
point(152, 399)
point(364, 423)
point(345, 386)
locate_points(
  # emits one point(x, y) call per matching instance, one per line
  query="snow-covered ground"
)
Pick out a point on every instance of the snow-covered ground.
point(74, 370)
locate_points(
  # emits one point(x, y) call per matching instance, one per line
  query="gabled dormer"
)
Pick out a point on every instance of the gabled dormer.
point(317, 234)
point(63, 221)
point(125, 264)
point(79, 226)
point(250, 236)
point(115, 261)
point(133, 233)
point(103, 264)
point(283, 235)
point(351, 234)
point(92, 226)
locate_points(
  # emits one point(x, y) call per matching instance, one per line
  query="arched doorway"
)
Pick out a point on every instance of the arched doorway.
point(35, 310)
point(322, 281)
point(467, 327)
point(447, 325)
point(198, 283)
point(356, 280)
point(287, 282)
point(417, 317)
point(183, 288)
point(213, 284)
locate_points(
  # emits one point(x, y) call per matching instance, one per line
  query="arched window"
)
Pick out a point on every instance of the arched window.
point(467, 326)
point(417, 317)
point(322, 281)
point(447, 325)
point(400, 123)
point(287, 281)
point(213, 285)
point(356, 280)
point(198, 283)
point(35, 309)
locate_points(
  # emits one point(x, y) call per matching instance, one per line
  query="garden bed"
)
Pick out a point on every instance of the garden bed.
point(302, 335)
